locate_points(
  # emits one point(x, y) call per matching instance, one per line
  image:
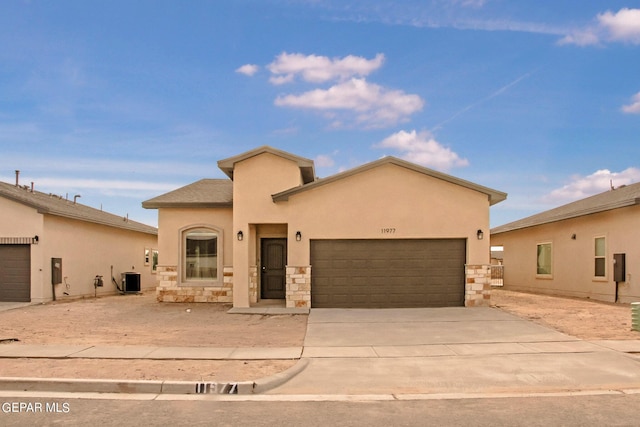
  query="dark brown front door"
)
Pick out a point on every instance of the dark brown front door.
point(274, 263)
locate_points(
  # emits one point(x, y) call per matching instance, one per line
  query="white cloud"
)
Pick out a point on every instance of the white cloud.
point(634, 107)
point(470, 3)
point(320, 69)
point(598, 182)
point(374, 106)
point(422, 148)
point(324, 161)
point(102, 184)
point(581, 38)
point(622, 26)
point(248, 69)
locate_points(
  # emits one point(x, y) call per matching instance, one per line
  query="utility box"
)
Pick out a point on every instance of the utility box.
point(131, 282)
point(56, 271)
point(619, 268)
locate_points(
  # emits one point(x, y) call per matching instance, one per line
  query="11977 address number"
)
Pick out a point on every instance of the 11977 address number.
point(387, 230)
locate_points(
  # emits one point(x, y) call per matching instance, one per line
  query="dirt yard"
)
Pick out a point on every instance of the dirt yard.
point(140, 320)
point(581, 318)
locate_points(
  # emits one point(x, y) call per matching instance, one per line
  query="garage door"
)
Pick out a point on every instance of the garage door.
point(387, 273)
point(15, 273)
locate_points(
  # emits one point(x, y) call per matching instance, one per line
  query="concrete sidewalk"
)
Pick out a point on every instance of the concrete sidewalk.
point(55, 351)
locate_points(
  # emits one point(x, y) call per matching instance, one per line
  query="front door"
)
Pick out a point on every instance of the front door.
point(274, 262)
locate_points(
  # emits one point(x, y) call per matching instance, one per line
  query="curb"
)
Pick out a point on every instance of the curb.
point(79, 385)
point(70, 385)
point(67, 385)
point(265, 384)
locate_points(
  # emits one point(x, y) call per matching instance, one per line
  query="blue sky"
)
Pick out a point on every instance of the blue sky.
point(120, 101)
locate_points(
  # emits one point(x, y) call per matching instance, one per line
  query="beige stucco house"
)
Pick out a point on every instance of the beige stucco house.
point(587, 248)
point(50, 243)
point(386, 234)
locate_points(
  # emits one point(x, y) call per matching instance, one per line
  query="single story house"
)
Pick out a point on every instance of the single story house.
point(385, 234)
point(582, 249)
point(50, 244)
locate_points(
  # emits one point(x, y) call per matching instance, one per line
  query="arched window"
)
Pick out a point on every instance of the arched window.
point(201, 260)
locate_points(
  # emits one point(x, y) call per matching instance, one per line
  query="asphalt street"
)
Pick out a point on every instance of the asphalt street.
point(555, 410)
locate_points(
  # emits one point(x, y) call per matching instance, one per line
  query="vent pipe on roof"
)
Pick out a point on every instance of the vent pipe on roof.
point(75, 198)
point(32, 186)
point(17, 177)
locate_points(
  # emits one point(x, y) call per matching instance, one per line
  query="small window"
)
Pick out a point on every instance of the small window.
point(154, 260)
point(545, 258)
point(201, 254)
point(600, 252)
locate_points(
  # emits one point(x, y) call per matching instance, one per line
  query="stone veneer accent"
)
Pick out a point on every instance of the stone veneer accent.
point(298, 284)
point(253, 284)
point(478, 286)
point(169, 291)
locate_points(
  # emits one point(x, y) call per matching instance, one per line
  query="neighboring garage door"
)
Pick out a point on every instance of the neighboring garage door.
point(15, 273)
point(387, 273)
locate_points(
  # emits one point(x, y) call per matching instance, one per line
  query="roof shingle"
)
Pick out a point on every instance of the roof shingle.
point(204, 193)
point(54, 205)
point(619, 198)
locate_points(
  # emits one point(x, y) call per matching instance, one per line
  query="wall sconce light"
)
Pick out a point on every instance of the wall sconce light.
point(480, 234)
point(35, 239)
point(240, 236)
point(573, 236)
point(298, 236)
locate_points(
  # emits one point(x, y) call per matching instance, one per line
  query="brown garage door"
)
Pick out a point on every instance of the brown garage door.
point(15, 273)
point(387, 273)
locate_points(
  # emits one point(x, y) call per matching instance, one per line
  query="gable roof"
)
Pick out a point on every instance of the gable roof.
point(54, 205)
point(206, 193)
point(493, 195)
point(306, 165)
point(613, 199)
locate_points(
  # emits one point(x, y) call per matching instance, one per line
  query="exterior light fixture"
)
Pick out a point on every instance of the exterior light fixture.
point(480, 234)
point(573, 236)
point(35, 239)
point(240, 236)
point(298, 236)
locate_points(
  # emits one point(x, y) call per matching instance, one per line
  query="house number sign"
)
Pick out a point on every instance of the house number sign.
point(387, 230)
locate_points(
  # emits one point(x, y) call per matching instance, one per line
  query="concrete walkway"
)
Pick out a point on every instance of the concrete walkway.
point(57, 351)
point(384, 352)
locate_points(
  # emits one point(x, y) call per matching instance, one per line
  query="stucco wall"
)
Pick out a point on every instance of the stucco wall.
point(254, 181)
point(573, 259)
point(88, 250)
point(388, 202)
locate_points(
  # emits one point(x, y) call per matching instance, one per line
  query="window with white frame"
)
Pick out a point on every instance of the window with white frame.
point(600, 257)
point(200, 255)
point(545, 259)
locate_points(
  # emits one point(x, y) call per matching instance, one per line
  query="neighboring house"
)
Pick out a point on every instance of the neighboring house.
point(48, 242)
point(386, 234)
point(578, 249)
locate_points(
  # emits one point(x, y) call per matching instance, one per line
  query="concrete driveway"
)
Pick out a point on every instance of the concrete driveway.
point(449, 350)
